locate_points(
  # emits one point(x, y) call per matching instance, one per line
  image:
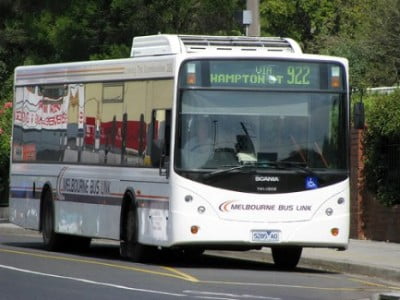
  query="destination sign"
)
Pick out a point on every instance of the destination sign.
point(264, 74)
point(298, 75)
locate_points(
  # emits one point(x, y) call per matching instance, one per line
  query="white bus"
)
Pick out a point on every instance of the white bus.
point(193, 143)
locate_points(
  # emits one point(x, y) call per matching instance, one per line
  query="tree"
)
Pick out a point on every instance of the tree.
point(44, 31)
point(367, 32)
point(300, 20)
point(368, 35)
point(385, 40)
point(5, 139)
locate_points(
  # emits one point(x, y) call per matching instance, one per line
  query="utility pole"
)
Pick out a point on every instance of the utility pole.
point(253, 28)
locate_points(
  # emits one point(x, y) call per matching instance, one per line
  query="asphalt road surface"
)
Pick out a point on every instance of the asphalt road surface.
point(27, 271)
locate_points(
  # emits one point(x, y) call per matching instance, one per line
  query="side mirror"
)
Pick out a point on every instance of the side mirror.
point(359, 115)
point(164, 166)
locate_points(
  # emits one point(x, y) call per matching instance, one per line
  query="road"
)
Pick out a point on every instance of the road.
point(27, 271)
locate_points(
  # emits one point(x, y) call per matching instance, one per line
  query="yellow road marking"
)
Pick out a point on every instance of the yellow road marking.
point(374, 284)
point(182, 274)
point(177, 274)
point(174, 273)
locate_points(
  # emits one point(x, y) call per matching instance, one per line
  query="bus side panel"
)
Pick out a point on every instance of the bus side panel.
point(24, 212)
point(91, 220)
point(90, 198)
point(88, 137)
point(153, 216)
point(26, 186)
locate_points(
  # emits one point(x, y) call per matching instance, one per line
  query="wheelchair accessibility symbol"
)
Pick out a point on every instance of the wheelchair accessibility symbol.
point(311, 183)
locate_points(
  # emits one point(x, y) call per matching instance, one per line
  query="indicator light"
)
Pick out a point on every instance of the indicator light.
point(335, 82)
point(194, 229)
point(335, 231)
point(335, 79)
point(191, 78)
point(191, 74)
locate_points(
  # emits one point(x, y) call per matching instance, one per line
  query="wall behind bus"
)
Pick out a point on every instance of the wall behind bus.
point(369, 218)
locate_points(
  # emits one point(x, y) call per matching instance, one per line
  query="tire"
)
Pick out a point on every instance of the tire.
point(287, 257)
point(52, 241)
point(193, 252)
point(76, 243)
point(130, 248)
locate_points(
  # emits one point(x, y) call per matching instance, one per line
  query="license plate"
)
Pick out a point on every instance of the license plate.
point(271, 236)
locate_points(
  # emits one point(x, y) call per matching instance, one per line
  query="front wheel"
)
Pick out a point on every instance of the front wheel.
point(130, 247)
point(286, 257)
point(193, 252)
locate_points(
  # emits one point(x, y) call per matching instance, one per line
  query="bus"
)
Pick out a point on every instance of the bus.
point(107, 149)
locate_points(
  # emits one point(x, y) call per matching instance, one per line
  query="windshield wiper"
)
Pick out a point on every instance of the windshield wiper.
point(292, 165)
point(282, 165)
point(227, 170)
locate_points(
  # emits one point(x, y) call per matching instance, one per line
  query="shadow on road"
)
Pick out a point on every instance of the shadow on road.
point(210, 260)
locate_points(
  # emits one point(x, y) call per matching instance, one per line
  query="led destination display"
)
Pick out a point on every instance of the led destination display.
point(264, 74)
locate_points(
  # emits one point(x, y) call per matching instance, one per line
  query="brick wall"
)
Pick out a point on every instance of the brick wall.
point(381, 223)
point(356, 184)
point(369, 219)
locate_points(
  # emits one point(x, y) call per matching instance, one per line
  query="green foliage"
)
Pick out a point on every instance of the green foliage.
point(112, 51)
point(367, 32)
point(43, 31)
point(382, 147)
point(5, 142)
point(300, 20)
point(368, 36)
point(5, 130)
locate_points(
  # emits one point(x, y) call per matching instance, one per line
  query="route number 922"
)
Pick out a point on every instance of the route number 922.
point(298, 75)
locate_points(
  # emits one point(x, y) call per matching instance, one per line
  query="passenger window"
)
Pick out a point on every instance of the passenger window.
point(160, 136)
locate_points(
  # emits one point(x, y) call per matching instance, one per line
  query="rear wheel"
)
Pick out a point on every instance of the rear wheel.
point(286, 257)
point(55, 241)
point(52, 240)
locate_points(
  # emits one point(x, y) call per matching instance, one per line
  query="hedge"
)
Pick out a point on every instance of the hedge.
point(382, 147)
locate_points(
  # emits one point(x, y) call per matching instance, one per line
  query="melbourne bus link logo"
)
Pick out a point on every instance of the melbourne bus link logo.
point(235, 205)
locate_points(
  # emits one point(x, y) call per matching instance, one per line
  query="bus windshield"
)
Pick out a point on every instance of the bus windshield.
point(225, 127)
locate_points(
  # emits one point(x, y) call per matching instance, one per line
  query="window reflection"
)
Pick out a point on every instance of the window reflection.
point(79, 123)
point(247, 127)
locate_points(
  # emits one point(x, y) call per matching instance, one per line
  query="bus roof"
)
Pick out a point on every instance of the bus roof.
point(164, 44)
point(156, 56)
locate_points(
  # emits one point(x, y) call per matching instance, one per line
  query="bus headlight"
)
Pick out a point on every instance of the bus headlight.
point(188, 198)
point(340, 200)
point(201, 209)
point(329, 211)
